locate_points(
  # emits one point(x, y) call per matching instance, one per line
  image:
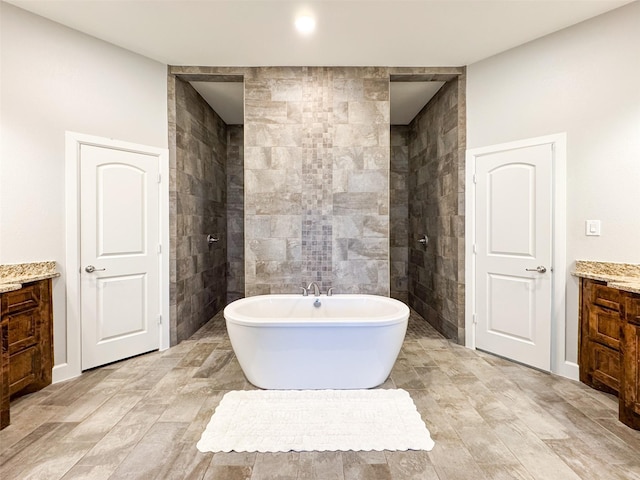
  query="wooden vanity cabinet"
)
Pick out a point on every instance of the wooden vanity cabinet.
point(600, 336)
point(26, 339)
point(630, 353)
point(4, 373)
point(609, 350)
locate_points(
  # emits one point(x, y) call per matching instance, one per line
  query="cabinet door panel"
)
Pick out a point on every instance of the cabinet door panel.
point(632, 306)
point(23, 369)
point(604, 326)
point(630, 380)
point(605, 366)
point(630, 349)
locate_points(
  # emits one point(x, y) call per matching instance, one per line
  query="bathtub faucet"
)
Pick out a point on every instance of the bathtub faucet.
point(316, 289)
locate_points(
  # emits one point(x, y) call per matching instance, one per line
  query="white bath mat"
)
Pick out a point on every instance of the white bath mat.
point(315, 420)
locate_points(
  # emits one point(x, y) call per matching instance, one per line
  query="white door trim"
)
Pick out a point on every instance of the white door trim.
point(559, 363)
point(73, 364)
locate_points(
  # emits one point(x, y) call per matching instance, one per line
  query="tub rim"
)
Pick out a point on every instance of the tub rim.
point(402, 315)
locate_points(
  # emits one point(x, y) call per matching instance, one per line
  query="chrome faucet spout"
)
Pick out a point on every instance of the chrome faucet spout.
point(316, 289)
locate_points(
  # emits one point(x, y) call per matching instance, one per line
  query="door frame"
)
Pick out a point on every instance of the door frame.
point(73, 141)
point(559, 363)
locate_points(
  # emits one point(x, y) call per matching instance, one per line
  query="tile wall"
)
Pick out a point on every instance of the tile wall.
point(326, 188)
point(235, 212)
point(399, 212)
point(317, 179)
point(198, 193)
point(436, 208)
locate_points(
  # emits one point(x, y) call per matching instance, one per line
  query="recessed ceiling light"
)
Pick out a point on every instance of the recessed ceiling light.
point(305, 24)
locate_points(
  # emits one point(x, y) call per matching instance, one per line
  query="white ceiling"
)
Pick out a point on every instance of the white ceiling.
point(226, 99)
point(407, 99)
point(349, 32)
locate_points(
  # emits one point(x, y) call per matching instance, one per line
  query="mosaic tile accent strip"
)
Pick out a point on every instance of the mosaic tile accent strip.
point(317, 178)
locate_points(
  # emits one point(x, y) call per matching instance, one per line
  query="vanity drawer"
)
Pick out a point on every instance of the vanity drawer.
point(27, 298)
point(605, 297)
point(24, 330)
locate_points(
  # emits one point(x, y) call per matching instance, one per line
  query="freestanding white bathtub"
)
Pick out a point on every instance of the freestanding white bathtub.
point(285, 342)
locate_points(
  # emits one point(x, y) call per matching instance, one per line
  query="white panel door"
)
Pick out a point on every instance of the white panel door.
point(119, 238)
point(513, 277)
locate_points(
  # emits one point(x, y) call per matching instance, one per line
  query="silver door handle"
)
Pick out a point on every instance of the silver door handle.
point(423, 240)
point(539, 269)
point(91, 269)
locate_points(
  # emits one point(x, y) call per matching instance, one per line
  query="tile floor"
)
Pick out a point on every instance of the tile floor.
point(490, 419)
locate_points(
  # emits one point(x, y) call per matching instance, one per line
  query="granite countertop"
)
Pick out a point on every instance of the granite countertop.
point(623, 276)
point(13, 276)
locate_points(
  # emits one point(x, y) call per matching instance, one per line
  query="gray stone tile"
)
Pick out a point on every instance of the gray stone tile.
point(186, 463)
point(214, 363)
point(276, 466)
point(148, 457)
point(410, 465)
point(247, 459)
point(88, 472)
point(505, 472)
point(580, 457)
point(539, 460)
point(114, 447)
point(54, 462)
point(473, 404)
point(320, 466)
point(15, 458)
point(104, 418)
point(228, 472)
point(367, 472)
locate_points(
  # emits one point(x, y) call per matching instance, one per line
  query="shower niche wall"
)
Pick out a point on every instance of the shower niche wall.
point(427, 165)
point(316, 185)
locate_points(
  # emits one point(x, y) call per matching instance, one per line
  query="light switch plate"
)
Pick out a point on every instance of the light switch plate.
point(592, 228)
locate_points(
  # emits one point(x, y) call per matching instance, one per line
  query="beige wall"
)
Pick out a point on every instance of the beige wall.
point(56, 79)
point(583, 81)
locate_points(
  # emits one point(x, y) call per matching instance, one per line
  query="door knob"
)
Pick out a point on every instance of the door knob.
point(423, 240)
point(91, 269)
point(539, 269)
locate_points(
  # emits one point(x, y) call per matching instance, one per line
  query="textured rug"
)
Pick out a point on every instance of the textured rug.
point(315, 420)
